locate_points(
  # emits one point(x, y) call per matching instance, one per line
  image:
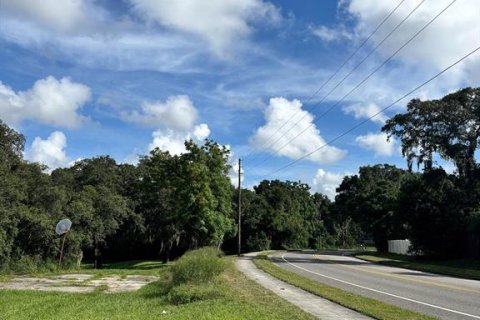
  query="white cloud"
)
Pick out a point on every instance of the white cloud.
point(377, 143)
point(360, 111)
point(168, 140)
point(458, 27)
point(233, 173)
point(201, 132)
point(219, 22)
point(174, 141)
point(131, 158)
point(277, 113)
point(177, 113)
point(175, 119)
point(50, 152)
point(50, 101)
point(327, 183)
point(64, 15)
point(97, 39)
point(331, 34)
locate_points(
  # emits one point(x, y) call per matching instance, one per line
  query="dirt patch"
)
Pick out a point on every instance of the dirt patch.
point(79, 283)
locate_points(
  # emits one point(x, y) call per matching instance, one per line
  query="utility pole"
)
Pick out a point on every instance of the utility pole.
point(239, 207)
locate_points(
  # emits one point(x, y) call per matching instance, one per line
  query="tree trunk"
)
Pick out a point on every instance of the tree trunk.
point(98, 261)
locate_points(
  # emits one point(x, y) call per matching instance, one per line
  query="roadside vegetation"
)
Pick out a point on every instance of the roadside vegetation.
point(367, 306)
point(220, 292)
point(462, 268)
point(168, 204)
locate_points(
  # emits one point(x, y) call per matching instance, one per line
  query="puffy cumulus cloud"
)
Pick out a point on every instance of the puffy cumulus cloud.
point(458, 27)
point(327, 183)
point(377, 143)
point(177, 113)
point(174, 141)
point(61, 15)
point(277, 113)
point(219, 22)
point(50, 101)
point(175, 119)
point(201, 132)
point(168, 140)
point(360, 111)
point(50, 152)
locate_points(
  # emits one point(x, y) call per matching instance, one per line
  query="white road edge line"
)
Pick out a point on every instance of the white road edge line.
point(382, 292)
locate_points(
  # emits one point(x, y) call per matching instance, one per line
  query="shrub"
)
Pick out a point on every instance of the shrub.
point(29, 264)
point(25, 264)
point(199, 266)
point(189, 292)
point(259, 242)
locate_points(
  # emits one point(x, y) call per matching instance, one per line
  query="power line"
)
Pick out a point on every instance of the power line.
point(334, 73)
point(363, 81)
point(376, 114)
point(347, 75)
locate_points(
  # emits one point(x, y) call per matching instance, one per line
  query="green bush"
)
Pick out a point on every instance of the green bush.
point(259, 242)
point(190, 292)
point(198, 266)
point(25, 264)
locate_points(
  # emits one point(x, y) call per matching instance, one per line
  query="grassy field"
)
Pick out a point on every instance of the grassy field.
point(469, 269)
point(370, 307)
point(231, 296)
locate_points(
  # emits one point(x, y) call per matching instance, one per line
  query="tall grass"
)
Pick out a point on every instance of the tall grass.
point(198, 266)
point(194, 275)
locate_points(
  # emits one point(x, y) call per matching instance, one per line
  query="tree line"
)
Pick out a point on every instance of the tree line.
point(167, 204)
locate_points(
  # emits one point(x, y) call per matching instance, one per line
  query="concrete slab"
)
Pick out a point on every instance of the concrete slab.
point(79, 283)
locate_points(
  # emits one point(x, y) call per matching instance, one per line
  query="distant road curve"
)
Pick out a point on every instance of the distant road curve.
point(436, 295)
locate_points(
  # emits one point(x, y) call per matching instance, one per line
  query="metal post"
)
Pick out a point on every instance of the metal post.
point(61, 250)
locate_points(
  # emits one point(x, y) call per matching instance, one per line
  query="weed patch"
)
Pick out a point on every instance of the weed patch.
point(198, 266)
point(188, 293)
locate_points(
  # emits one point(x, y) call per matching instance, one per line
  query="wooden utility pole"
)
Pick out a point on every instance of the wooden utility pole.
point(239, 207)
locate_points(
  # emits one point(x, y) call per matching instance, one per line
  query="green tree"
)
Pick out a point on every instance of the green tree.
point(370, 199)
point(436, 211)
point(94, 202)
point(11, 146)
point(291, 213)
point(449, 126)
point(186, 199)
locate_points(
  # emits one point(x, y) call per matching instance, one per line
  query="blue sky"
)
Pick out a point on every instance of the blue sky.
point(85, 78)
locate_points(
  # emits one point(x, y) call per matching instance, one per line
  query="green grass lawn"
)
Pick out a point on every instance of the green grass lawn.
point(469, 269)
point(367, 306)
point(231, 296)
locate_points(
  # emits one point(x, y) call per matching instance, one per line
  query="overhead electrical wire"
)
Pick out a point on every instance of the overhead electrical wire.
point(334, 73)
point(348, 74)
point(364, 80)
point(376, 114)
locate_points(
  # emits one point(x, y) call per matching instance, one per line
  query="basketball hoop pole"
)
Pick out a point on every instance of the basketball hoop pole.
point(61, 250)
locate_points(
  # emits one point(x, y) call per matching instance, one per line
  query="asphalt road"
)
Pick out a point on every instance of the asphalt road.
point(439, 296)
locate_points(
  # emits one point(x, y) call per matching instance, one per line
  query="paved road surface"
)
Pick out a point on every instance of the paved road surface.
point(439, 296)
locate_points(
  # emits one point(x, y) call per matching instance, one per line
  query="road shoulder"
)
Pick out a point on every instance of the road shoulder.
point(319, 307)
